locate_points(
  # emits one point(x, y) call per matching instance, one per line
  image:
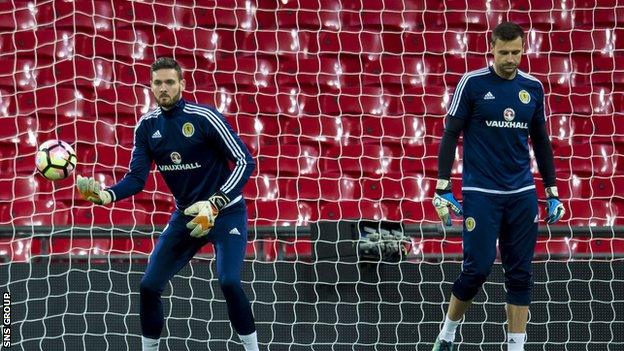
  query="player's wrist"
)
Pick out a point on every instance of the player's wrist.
point(443, 186)
point(552, 192)
point(219, 200)
point(106, 197)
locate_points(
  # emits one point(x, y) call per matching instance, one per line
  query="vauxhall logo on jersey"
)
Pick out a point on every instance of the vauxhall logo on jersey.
point(509, 114)
point(176, 158)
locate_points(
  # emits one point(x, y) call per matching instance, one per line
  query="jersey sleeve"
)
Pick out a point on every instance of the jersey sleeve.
point(229, 143)
point(140, 164)
point(460, 104)
point(540, 112)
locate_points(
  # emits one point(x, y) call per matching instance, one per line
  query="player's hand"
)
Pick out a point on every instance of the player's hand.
point(90, 190)
point(554, 207)
point(443, 200)
point(205, 213)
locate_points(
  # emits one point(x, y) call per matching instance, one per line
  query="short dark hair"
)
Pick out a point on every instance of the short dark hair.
point(167, 63)
point(507, 31)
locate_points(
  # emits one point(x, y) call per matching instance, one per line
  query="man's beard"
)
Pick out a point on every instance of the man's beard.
point(170, 102)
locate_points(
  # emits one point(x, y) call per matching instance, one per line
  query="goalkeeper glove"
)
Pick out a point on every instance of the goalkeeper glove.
point(205, 213)
point(553, 205)
point(90, 190)
point(443, 199)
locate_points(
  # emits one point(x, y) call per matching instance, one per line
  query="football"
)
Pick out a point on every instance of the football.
point(55, 159)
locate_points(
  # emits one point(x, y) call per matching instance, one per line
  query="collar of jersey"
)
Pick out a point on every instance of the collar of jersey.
point(179, 106)
point(501, 78)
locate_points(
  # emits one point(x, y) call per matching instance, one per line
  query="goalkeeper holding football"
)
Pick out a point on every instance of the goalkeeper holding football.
point(192, 146)
point(497, 108)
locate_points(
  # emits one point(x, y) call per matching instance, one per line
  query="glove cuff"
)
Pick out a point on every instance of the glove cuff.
point(219, 200)
point(443, 186)
point(106, 197)
point(552, 192)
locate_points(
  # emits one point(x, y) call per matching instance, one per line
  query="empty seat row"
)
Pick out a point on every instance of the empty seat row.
point(281, 212)
point(310, 157)
point(268, 249)
point(266, 74)
point(330, 186)
point(317, 15)
point(128, 103)
point(133, 44)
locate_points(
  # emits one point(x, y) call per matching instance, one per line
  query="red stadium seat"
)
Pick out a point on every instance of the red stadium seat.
point(281, 213)
point(40, 43)
point(34, 213)
point(353, 209)
point(330, 187)
point(184, 14)
point(120, 44)
point(100, 247)
point(368, 43)
point(284, 160)
point(406, 130)
point(603, 41)
point(15, 250)
point(18, 189)
point(416, 188)
point(319, 132)
point(405, 72)
point(18, 146)
point(446, 42)
point(322, 73)
point(554, 71)
point(410, 211)
point(431, 101)
point(123, 100)
point(589, 159)
point(365, 160)
point(250, 75)
point(16, 15)
point(266, 103)
point(51, 101)
point(290, 42)
point(25, 75)
point(87, 17)
point(437, 248)
point(365, 100)
point(303, 17)
point(598, 128)
point(605, 188)
point(594, 213)
point(581, 101)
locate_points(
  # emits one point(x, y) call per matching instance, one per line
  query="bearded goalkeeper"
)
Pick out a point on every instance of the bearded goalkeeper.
point(192, 146)
point(497, 108)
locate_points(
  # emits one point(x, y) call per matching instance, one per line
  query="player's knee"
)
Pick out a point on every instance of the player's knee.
point(229, 284)
point(469, 282)
point(519, 290)
point(149, 287)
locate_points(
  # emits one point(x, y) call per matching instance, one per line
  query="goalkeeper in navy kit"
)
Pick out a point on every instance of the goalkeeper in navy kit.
point(192, 146)
point(497, 108)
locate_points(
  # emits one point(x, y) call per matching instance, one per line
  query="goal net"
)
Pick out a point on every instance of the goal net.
point(342, 105)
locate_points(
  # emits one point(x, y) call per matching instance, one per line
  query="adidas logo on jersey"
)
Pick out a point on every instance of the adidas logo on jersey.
point(156, 134)
point(235, 231)
point(489, 96)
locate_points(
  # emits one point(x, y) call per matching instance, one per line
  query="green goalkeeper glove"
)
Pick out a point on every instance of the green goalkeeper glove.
point(205, 213)
point(443, 200)
point(90, 190)
point(554, 207)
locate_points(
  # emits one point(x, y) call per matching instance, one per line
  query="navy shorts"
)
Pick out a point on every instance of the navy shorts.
point(513, 221)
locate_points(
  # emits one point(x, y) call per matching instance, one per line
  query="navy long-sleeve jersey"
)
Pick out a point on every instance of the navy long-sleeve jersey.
point(192, 146)
point(498, 114)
